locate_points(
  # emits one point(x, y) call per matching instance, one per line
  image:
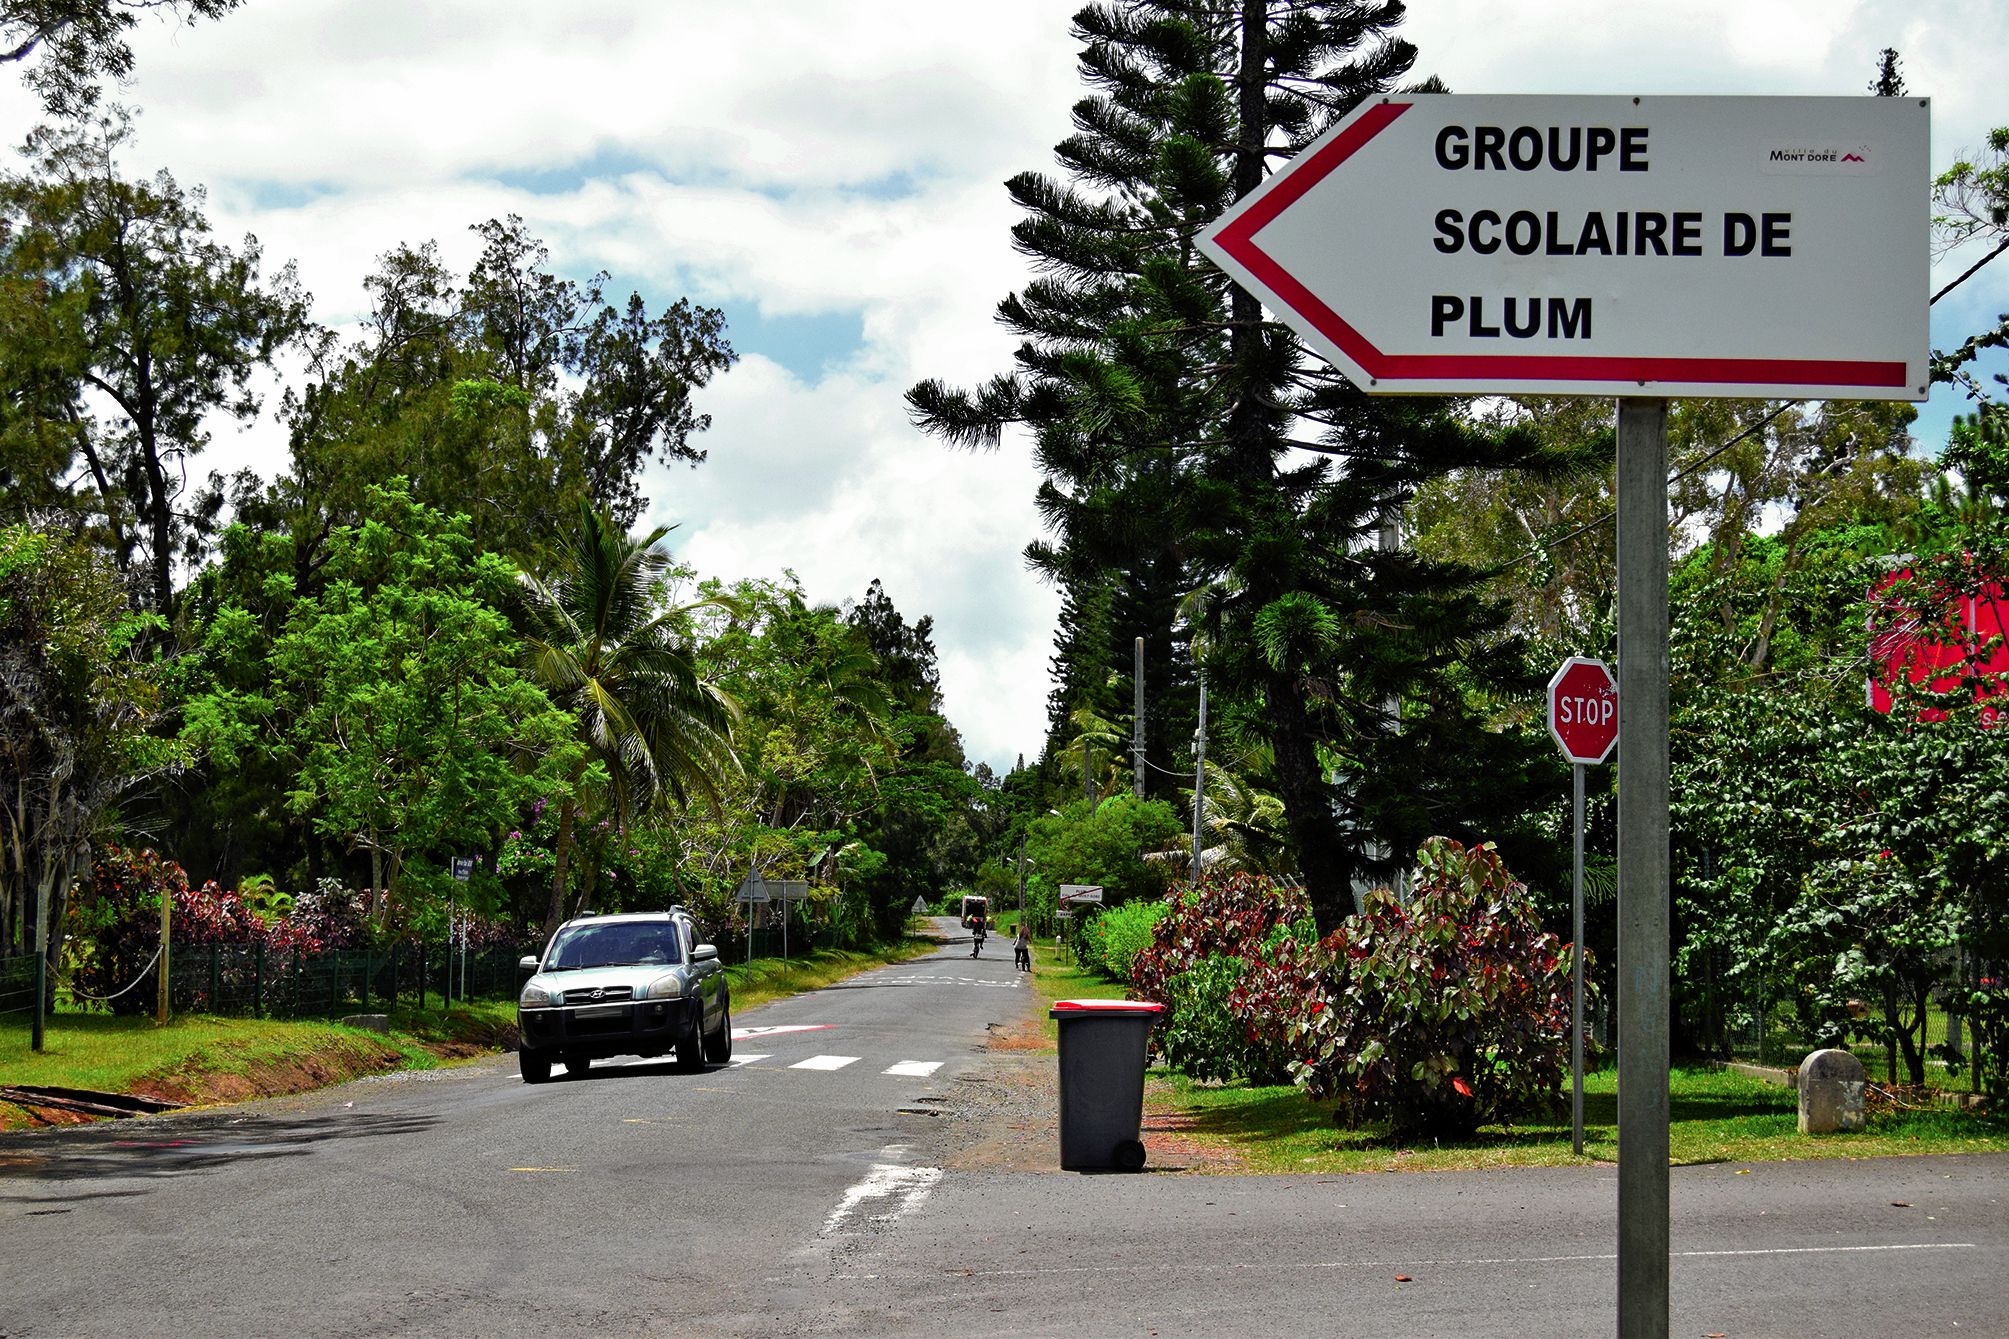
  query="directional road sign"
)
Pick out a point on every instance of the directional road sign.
point(1071, 893)
point(1583, 710)
point(1684, 246)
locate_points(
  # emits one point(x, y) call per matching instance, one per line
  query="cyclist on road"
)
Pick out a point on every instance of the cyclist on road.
point(977, 934)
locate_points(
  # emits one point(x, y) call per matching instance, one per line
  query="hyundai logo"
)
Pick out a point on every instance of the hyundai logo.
point(598, 993)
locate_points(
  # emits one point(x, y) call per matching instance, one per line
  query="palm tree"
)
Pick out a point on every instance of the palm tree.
point(600, 644)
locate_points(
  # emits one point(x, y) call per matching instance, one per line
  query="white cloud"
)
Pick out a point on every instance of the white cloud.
point(840, 159)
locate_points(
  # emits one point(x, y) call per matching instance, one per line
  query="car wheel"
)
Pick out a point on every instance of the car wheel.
point(718, 1047)
point(691, 1048)
point(535, 1068)
point(577, 1065)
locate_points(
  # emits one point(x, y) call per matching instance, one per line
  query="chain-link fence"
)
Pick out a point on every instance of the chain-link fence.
point(17, 986)
point(1743, 1021)
point(254, 981)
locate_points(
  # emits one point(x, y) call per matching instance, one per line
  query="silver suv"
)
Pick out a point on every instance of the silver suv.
point(631, 984)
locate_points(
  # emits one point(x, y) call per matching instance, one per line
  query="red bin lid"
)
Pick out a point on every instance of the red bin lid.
point(1110, 1006)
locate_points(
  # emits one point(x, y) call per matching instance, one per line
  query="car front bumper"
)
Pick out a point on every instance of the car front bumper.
point(647, 1027)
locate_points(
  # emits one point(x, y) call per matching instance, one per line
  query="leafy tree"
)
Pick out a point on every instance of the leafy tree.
point(141, 306)
point(514, 395)
point(74, 44)
point(80, 701)
point(602, 643)
point(1188, 443)
point(394, 699)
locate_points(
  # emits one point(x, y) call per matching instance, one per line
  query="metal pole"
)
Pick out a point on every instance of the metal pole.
point(41, 963)
point(1642, 870)
point(1199, 775)
point(166, 944)
point(1087, 762)
point(1576, 992)
point(1137, 719)
point(1021, 875)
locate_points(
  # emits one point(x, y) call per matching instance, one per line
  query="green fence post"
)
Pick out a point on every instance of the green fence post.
point(422, 976)
point(215, 976)
point(335, 983)
point(258, 981)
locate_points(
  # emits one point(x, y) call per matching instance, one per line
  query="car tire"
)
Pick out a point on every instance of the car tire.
point(577, 1065)
point(691, 1048)
point(534, 1067)
point(718, 1047)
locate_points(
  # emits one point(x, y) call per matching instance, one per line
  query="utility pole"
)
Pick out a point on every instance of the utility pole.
point(1199, 777)
point(1643, 1217)
point(41, 961)
point(1088, 768)
point(1137, 720)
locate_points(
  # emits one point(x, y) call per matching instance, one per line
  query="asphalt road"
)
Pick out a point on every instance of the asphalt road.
point(800, 1191)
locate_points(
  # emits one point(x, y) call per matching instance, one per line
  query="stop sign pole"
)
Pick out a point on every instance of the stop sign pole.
point(1583, 719)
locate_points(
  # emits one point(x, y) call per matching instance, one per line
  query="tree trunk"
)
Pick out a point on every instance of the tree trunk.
point(561, 854)
point(1322, 859)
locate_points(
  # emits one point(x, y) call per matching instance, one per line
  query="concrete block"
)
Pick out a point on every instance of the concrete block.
point(1831, 1093)
point(370, 1022)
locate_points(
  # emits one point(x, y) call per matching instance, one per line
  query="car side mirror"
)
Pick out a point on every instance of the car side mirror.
point(527, 964)
point(704, 953)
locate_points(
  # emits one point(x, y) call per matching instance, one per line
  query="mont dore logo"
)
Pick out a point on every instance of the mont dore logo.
point(1855, 160)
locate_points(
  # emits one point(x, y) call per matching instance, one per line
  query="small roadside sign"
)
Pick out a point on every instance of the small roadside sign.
point(1072, 893)
point(790, 890)
point(753, 889)
point(463, 867)
point(920, 907)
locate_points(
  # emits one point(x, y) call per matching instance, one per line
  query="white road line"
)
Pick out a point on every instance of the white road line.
point(825, 1062)
point(913, 1069)
point(1495, 1260)
point(900, 1189)
point(748, 1058)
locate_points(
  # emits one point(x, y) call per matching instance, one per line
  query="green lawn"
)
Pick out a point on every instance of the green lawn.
point(1716, 1117)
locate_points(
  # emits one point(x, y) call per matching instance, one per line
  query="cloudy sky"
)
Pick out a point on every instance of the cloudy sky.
point(828, 172)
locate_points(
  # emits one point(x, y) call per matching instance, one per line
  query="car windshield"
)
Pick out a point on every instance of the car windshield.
point(614, 945)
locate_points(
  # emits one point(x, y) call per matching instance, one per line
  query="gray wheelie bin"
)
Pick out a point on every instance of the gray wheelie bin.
point(1102, 1053)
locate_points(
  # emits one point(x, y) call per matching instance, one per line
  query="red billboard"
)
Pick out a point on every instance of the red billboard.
point(1937, 637)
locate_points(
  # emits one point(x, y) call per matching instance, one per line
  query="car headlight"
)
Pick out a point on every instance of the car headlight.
point(540, 997)
point(669, 987)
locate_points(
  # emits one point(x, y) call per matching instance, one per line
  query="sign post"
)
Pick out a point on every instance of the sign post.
point(752, 892)
point(1640, 248)
point(1583, 720)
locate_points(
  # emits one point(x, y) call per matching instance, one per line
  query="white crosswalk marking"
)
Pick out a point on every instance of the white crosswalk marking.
point(825, 1062)
point(746, 1058)
point(914, 1069)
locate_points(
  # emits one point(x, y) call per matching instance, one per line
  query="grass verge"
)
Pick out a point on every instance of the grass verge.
point(1715, 1117)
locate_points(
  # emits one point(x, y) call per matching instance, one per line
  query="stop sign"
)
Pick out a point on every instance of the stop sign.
point(1583, 710)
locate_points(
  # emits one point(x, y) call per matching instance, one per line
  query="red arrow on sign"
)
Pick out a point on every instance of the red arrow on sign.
point(1583, 710)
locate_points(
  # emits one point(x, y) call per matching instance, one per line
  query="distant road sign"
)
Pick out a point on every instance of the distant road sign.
point(754, 889)
point(463, 867)
point(920, 907)
point(1761, 247)
point(1583, 710)
point(1071, 893)
point(790, 890)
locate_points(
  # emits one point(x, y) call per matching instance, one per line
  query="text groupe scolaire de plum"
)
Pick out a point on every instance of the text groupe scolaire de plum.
point(1635, 233)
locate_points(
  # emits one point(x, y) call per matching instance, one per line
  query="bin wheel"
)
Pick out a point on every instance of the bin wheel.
point(1129, 1156)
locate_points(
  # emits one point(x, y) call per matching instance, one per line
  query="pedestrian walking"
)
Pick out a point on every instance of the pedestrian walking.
point(1021, 947)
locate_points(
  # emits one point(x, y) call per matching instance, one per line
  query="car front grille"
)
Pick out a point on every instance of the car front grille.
point(600, 995)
